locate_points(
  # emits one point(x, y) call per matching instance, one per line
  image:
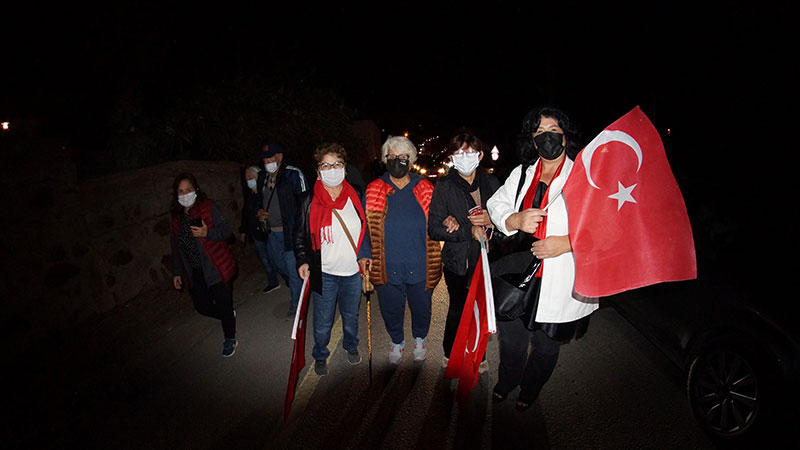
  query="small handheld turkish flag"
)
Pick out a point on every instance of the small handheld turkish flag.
point(628, 223)
point(299, 351)
point(476, 325)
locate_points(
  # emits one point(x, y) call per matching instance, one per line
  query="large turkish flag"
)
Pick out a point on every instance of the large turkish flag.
point(627, 219)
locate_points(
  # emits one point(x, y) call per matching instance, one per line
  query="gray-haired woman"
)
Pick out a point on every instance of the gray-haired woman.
point(402, 261)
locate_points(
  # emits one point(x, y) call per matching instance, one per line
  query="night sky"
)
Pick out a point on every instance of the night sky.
point(424, 67)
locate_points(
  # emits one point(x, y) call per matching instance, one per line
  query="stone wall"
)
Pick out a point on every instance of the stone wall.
point(76, 249)
point(128, 222)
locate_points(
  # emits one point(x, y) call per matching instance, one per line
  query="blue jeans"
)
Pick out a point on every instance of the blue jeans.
point(263, 254)
point(392, 299)
point(346, 291)
point(285, 262)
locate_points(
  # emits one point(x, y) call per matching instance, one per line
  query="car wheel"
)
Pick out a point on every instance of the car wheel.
point(726, 391)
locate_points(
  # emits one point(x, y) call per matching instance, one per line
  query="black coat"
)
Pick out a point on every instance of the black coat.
point(250, 224)
point(451, 197)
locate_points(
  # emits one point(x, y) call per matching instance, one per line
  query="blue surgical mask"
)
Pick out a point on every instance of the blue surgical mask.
point(251, 183)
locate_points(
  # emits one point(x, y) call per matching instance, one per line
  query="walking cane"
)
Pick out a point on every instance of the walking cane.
point(367, 287)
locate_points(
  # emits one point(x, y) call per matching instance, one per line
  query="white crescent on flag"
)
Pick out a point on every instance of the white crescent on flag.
point(477, 327)
point(605, 137)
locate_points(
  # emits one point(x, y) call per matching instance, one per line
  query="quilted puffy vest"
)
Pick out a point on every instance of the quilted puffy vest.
point(376, 207)
point(218, 252)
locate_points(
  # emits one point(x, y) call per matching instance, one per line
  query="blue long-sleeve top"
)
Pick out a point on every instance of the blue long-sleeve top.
point(405, 232)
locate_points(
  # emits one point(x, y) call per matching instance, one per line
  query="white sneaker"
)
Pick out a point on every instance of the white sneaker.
point(396, 352)
point(420, 349)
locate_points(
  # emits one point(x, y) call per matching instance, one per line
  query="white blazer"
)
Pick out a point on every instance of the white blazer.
point(558, 303)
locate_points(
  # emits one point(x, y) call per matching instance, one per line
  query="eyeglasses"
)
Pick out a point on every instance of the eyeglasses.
point(326, 166)
point(404, 157)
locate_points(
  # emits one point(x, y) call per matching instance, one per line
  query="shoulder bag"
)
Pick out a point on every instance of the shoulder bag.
point(512, 265)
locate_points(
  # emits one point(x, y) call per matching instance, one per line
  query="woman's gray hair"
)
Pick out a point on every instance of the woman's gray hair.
point(253, 169)
point(399, 144)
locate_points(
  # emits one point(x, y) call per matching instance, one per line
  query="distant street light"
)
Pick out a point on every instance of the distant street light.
point(4, 125)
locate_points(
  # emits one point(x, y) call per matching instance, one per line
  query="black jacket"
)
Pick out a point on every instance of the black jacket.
point(250, 224)
point(290, 184)
point(303, 251)
point(451, 197)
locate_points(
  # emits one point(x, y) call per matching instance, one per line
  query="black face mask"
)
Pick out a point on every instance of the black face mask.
point(548, 144)
point(398, 168)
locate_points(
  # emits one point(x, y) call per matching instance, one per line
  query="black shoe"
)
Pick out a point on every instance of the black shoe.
point(291, 313)
point(321, 367)
point(229, 347)
point(353, 357)
point(523, 403)
point(498, 397)
point(271, 287)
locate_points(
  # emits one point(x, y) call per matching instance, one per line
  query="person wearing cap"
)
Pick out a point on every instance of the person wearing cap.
point(279, 188)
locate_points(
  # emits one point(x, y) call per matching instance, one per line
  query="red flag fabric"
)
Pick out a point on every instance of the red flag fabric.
point(471, 339)
point(628, 223)
point(299, 352)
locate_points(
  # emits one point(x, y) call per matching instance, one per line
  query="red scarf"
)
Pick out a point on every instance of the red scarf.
point(527, 202)
point(320, 213)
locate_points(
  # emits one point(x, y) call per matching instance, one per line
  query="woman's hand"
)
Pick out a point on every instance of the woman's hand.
point(177, 282)
point(451, 224)
point(200, 231)
point(477, 232)
point(481, 219)
point(303, 271)
point(527, 220)
point(551, 246)
point(262, 215)
point(365, 264)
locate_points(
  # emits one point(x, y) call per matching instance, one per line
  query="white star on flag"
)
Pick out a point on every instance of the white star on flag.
point(623, 195)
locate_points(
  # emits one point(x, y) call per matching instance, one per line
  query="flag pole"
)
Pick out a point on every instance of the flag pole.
point(299, 307)
point(550, 202)
point(491, 323)
point(367, 287)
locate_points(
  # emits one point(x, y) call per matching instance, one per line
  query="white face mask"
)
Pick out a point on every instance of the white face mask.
point(271, 167)
point(187, 200)
point(465, 163)
point(251, 183)
point(332, 177)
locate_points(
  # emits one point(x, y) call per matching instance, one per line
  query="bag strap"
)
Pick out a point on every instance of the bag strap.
point(272, 191)
point(346, 231)
point(523, 174)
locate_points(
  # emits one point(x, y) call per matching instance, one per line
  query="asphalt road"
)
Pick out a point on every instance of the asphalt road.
point(151, 376)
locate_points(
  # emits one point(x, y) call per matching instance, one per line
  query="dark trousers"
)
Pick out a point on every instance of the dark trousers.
point(519, 367)
point(457, 290)
point(392, 299)
point(214, 301)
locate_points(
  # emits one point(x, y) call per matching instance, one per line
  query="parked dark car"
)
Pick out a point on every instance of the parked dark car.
point(734, 336)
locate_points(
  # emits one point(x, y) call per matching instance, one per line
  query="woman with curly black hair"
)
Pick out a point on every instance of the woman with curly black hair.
point(530, 201)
